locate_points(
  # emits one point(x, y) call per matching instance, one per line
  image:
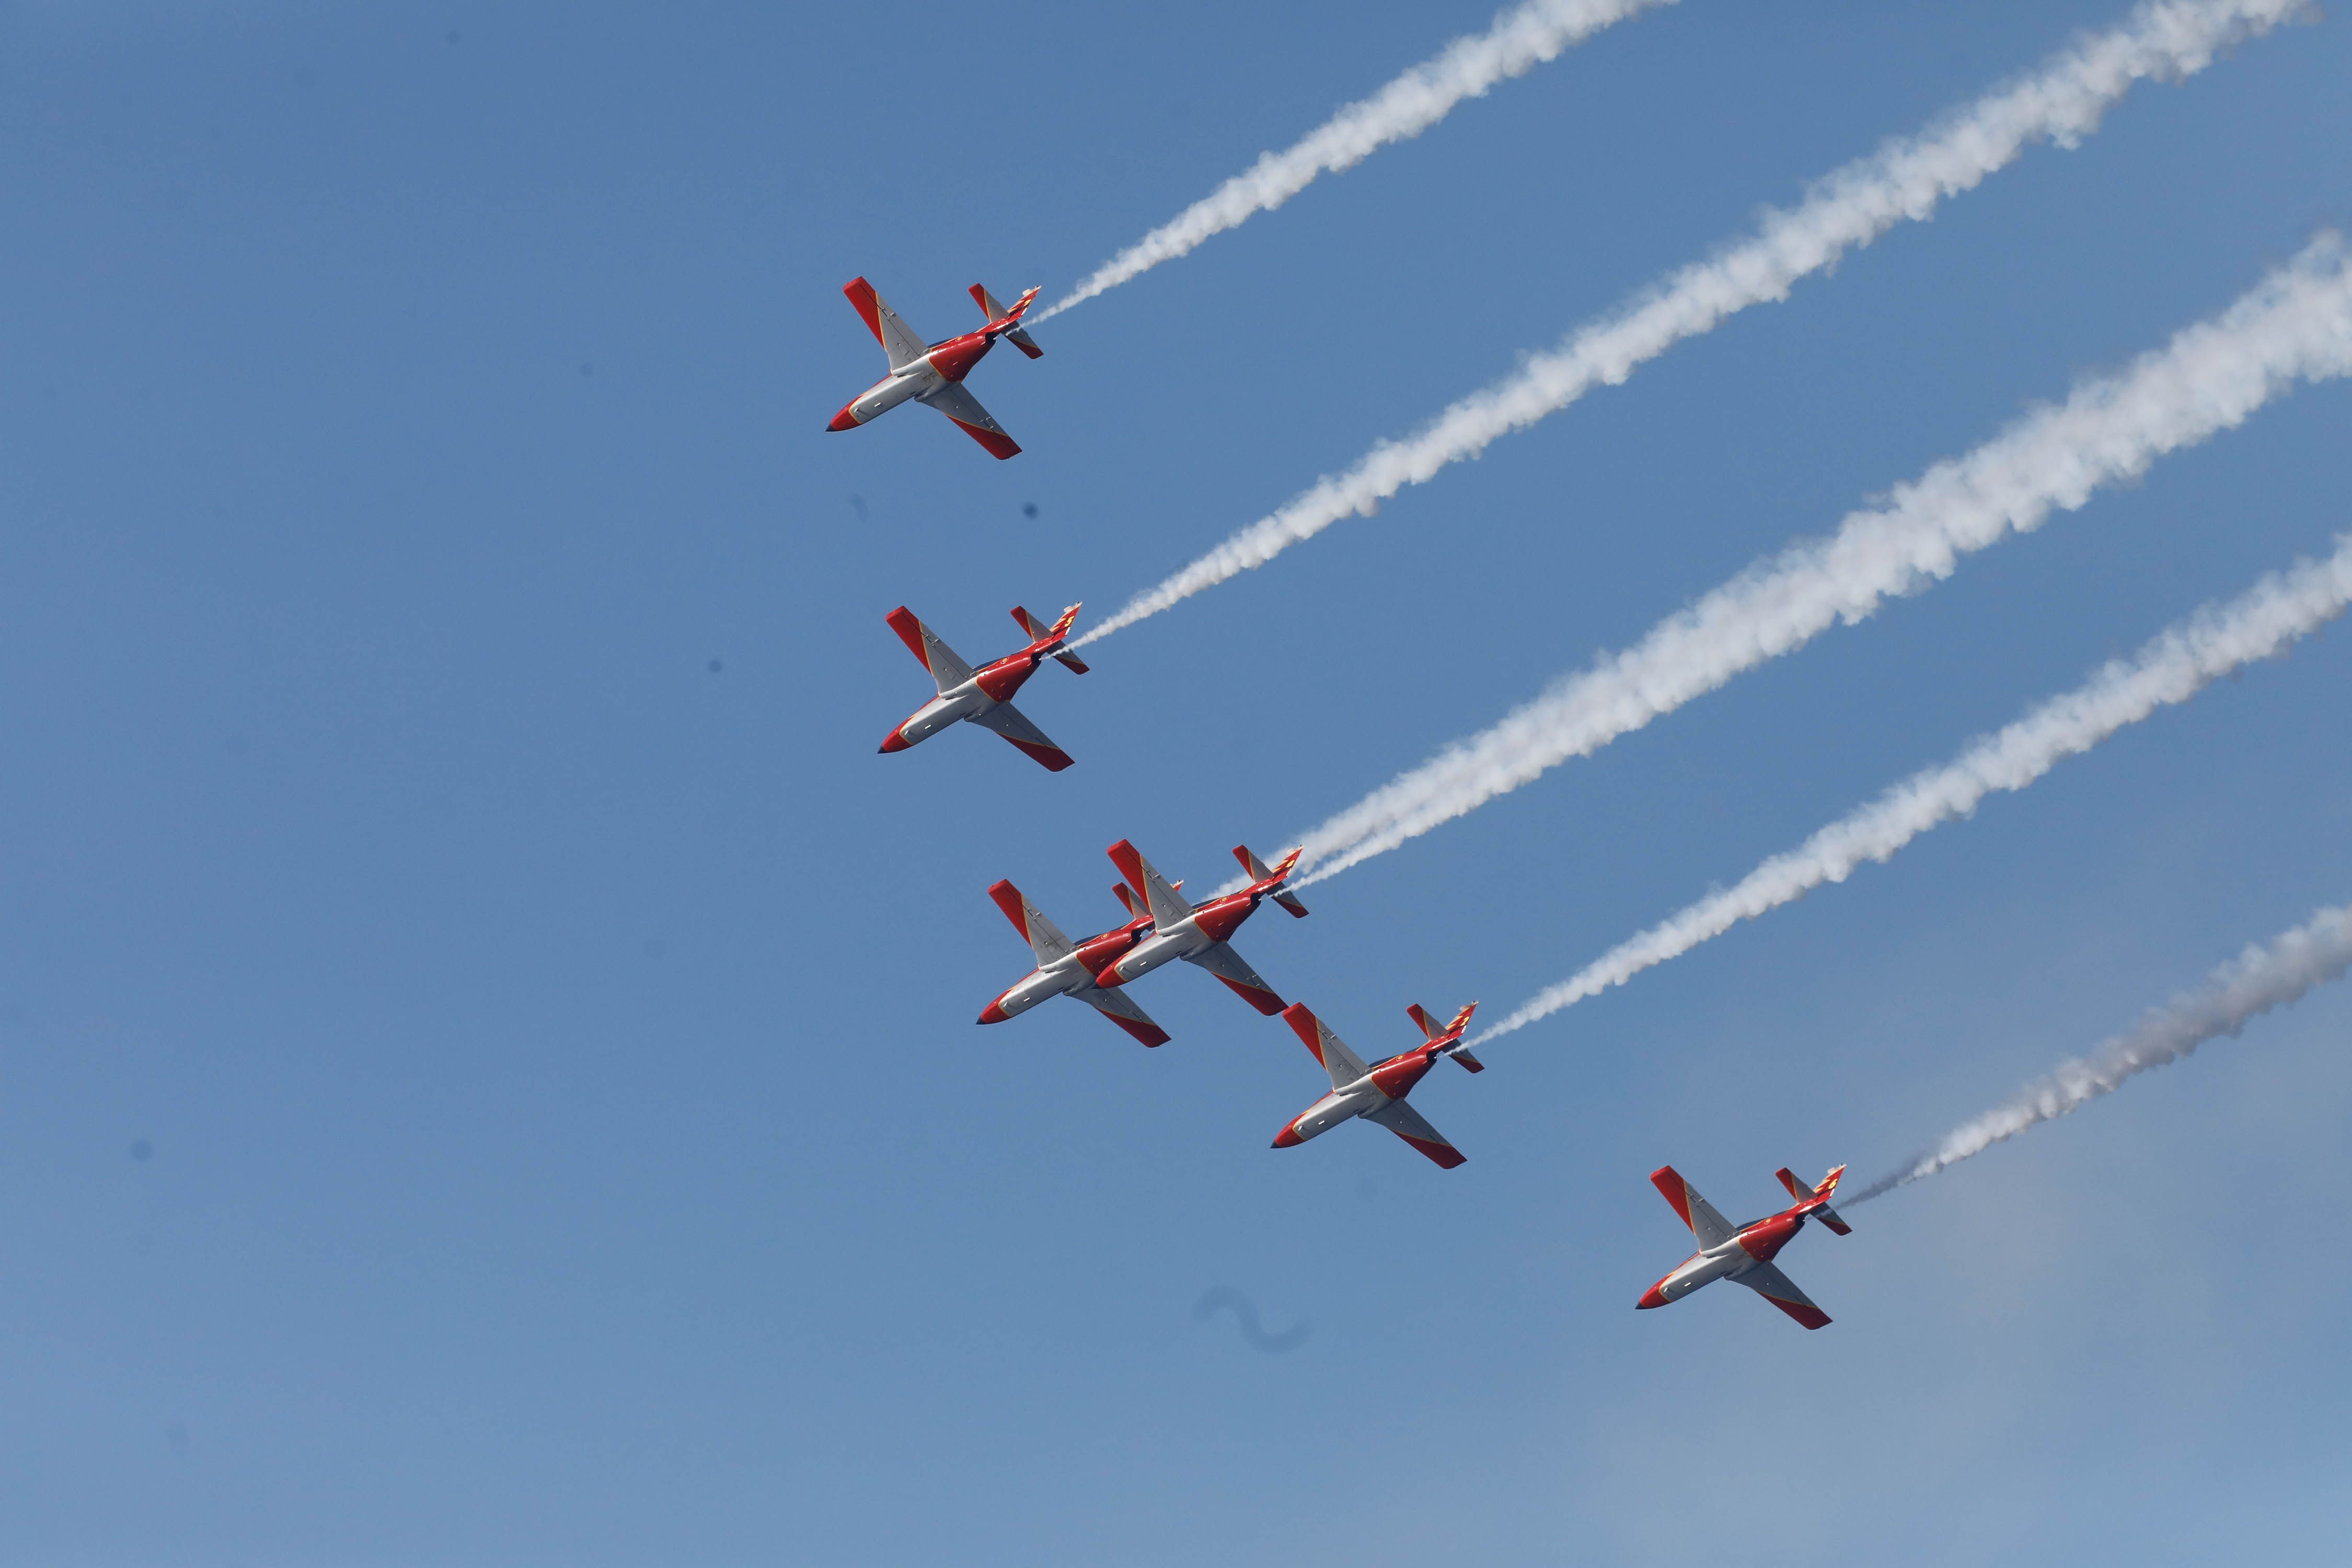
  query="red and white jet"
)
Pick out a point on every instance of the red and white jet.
point(1066, 968)
point(1745, 1252)
point(1198, 935)
point(985, 696)
point(1376, 1093)
point(934, 372)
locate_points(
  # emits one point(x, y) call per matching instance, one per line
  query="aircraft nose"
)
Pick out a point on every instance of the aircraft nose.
point(844, 420)
point(893, 742)
point(1655, 1296)
point(1289, 1136)
point(995, 1012)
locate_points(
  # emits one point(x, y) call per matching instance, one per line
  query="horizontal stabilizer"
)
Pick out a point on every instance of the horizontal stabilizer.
point(1819, 1196)
point(1260, 874)
point(1039, 632)
point(1017, 336)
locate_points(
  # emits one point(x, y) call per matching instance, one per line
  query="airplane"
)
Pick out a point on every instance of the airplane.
point(1065, 968)
point(1198, 935)
point(1376, 1093)
point(985, 696)
point(934, 372)
point(1745, 1252)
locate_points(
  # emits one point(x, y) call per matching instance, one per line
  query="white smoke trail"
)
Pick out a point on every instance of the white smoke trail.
point(2180, 662)
point(1904, 179)
point(2261, 978)
point(2295, 325)
point(1520, 39)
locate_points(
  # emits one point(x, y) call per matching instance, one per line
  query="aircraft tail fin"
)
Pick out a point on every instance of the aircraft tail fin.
point(1450, 1031)
point(1344, 1065)
point(1015, 333)
point(1168, 908)
point(1041, 632)
point(1817, 1196)
point(1045, 938)
point(1260, 876)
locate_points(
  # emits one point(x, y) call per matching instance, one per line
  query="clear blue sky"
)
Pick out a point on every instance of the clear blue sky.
point(478, 1085)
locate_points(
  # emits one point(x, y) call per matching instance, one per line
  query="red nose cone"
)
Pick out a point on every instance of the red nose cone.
point(1289, 1136)
point(844, 420)
point(893, 742)
point(994, 1013)
point(1652, 1297)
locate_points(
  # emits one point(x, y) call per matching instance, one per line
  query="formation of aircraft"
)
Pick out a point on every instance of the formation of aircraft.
point(1163, 927)
point(985, 696)
point(1376, 1093)
point(1745, 1252)
point(933, 372)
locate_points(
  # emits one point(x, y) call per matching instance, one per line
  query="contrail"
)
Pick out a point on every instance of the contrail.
point(2295, 325)
point(2180, 662)
point(1519, 41)
point(1905, 178)
point(2261, 978)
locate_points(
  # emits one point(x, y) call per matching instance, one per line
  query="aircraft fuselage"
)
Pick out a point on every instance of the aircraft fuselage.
point(1206, 926)
point(1389, 1080)
point(946, 362)
point(1069, 976)
point(990, 685)
point(1746, 1247)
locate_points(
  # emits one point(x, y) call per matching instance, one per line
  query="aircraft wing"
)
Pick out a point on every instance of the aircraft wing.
point(1010, 722)
point(1408, 1124)
point(1781, 1291)
point(1114, 1005)
point(1220, 960)
point(951, 399)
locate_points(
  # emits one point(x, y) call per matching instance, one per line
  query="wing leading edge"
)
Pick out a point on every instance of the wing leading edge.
point(951, 399)
point(1781, 1290)
point(1014, 725)
point(1413, 1127)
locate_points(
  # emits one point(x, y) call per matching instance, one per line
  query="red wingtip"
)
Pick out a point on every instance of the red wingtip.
point(861, 295)
point(1008, 899)
point(910, 632)
point(1302, 1024)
